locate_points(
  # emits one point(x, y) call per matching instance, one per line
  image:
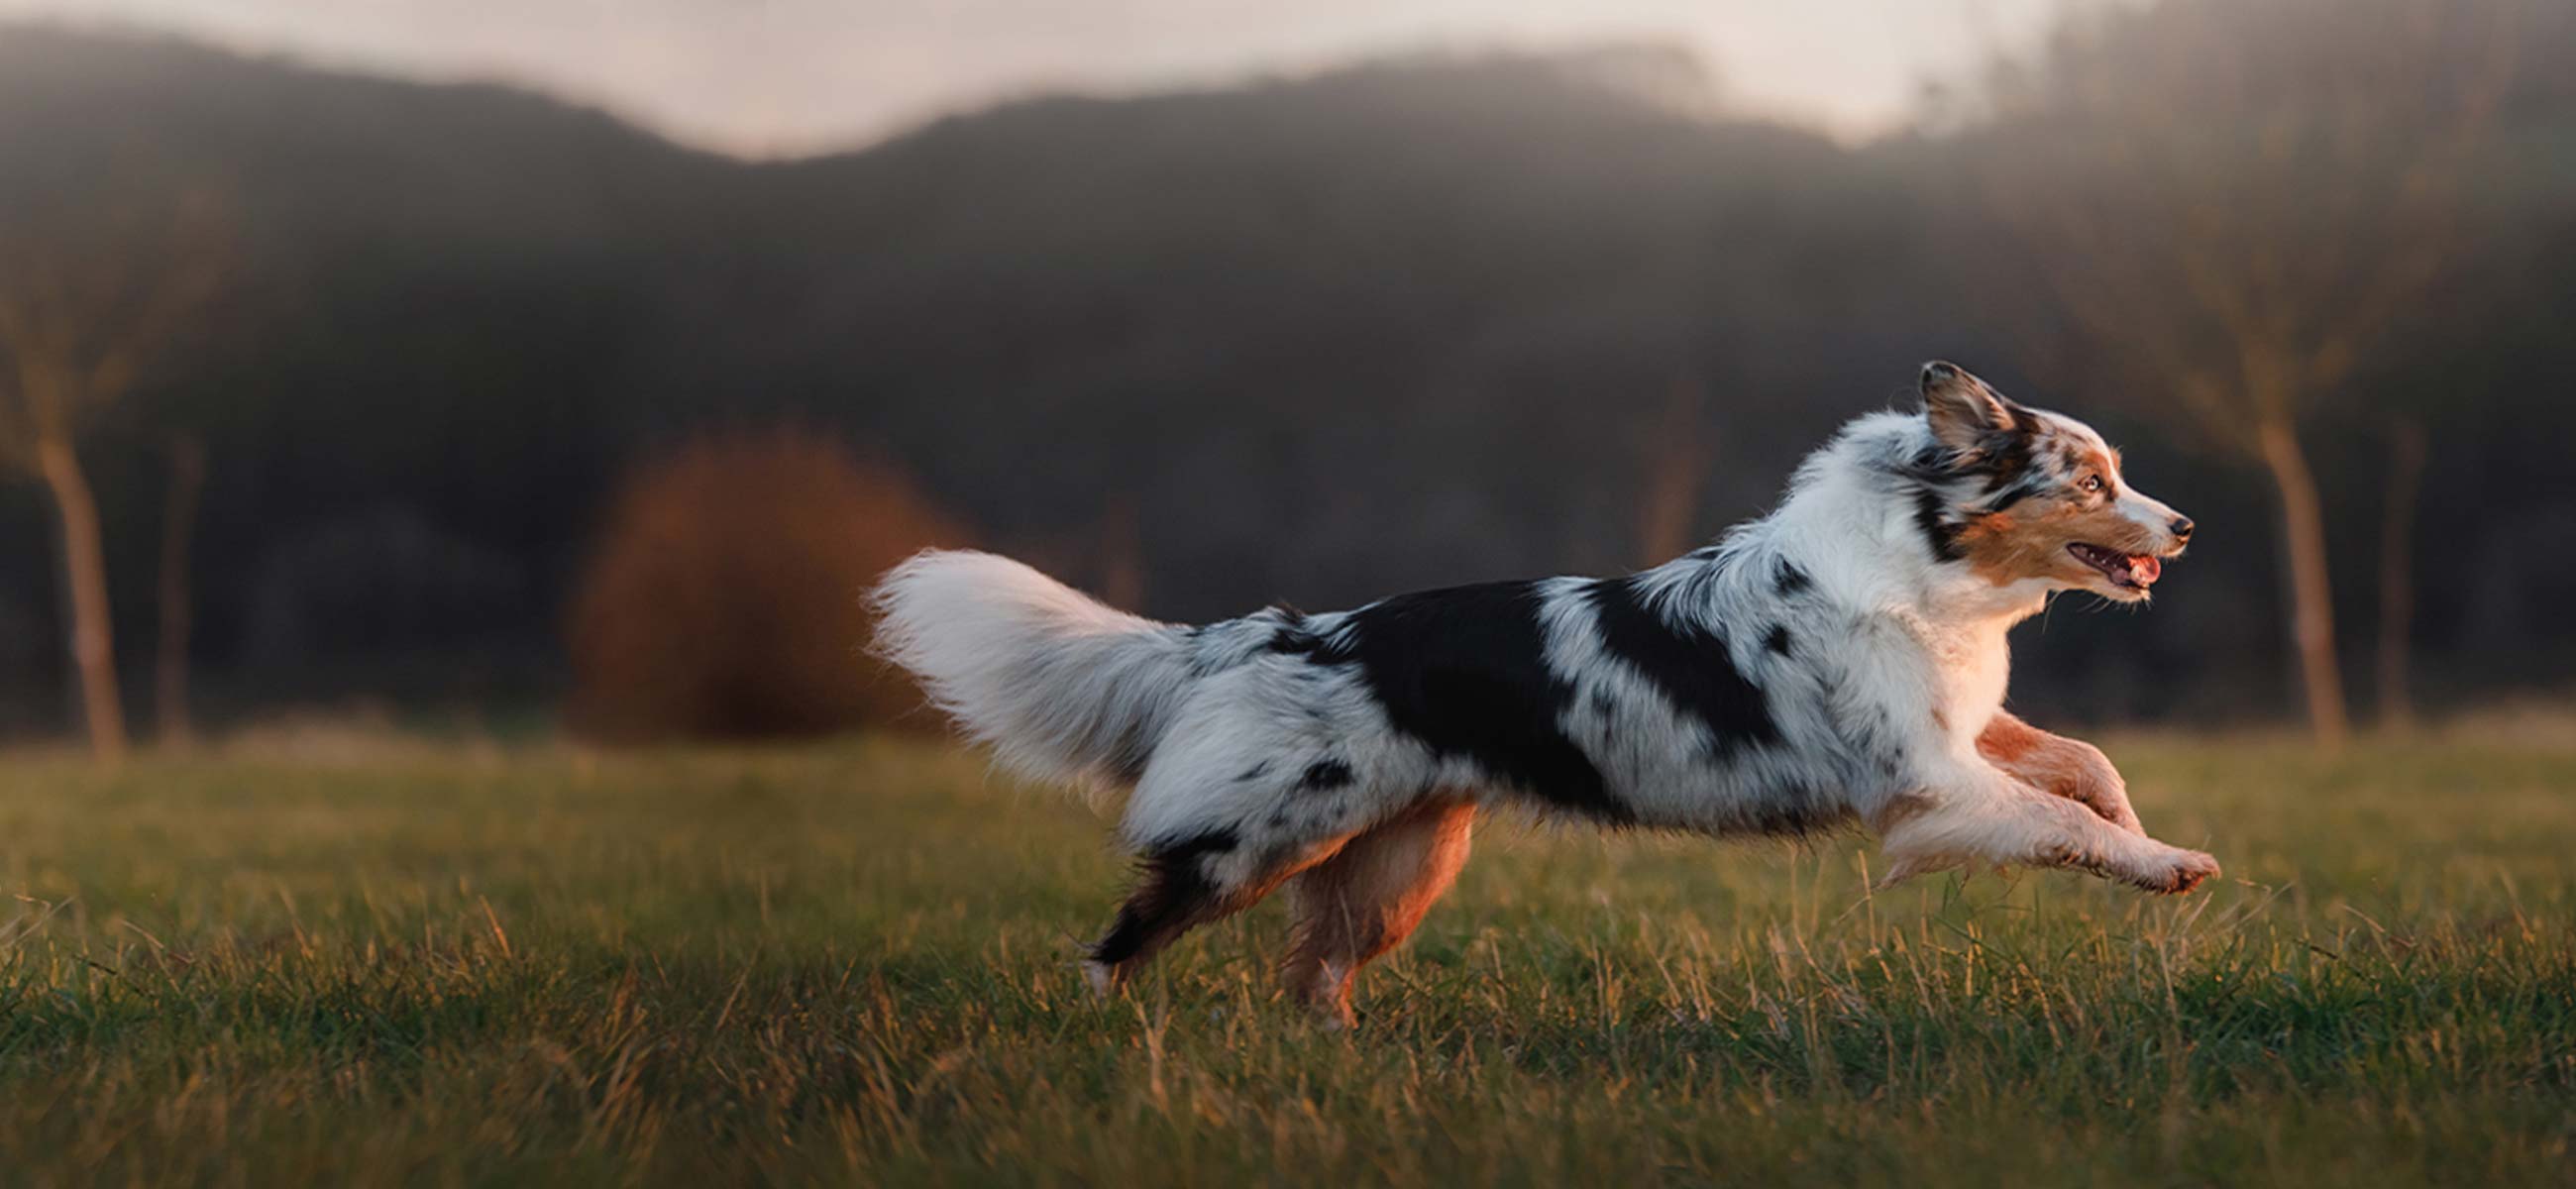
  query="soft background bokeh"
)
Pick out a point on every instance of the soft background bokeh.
point(398, 398)
point(331, 381)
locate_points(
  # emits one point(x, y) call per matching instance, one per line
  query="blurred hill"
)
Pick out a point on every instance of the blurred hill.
point(412, 390)
point(1315, 339)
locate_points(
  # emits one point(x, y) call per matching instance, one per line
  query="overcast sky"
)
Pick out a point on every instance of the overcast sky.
point(792, 76)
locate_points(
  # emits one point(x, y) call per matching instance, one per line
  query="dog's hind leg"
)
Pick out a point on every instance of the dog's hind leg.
point(1185, 884)
point(1368, 898)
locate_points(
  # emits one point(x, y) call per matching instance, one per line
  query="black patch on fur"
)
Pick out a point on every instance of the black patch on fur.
point(1938, 534)
point(1778, 639)
point(1292, 635)
point(2000, 464)
point(1325, 774)
point(1255, 772)
point(1795, 810)
point(2028, 485)
point(1998, 454)
point(1464, 670)
point(1689, 663)
point(1174, 894)
point(1789, 579)
point(1207, 654)
point(2006, 456)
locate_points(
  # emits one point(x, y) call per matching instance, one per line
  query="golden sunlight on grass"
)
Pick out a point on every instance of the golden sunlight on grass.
point(853, 965)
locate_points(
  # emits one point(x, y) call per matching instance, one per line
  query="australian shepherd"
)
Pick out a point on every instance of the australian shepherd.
point(1841, 660)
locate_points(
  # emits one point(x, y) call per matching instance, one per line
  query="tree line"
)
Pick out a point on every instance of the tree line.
point(329, 380)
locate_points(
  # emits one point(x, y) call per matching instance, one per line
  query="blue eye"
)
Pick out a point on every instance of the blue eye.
point(2089, 484)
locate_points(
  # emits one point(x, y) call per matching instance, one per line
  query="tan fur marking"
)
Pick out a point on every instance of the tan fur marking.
point(2029, 539)
point(1368, 899)
point(2057, 770)
point(2058, 766)
point(2007, 739)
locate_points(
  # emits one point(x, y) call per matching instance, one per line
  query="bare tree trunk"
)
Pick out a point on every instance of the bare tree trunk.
point(2407, 447)
point(177, 607)
point(85, 568)
point(1122, 554)
point(1668, 507)
point(2303, 532)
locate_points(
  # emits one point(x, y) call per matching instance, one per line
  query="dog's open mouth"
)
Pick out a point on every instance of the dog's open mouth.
point(2128, 571)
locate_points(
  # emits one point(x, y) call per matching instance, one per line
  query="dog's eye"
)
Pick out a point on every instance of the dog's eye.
point(2089, 484)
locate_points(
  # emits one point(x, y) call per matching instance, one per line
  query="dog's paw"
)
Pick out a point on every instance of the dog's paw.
point(2177, 872)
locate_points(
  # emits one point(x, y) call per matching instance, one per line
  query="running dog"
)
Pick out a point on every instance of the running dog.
point(1841, 660)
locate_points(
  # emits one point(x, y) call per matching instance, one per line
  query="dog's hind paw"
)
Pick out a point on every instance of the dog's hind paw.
point(1905, 867)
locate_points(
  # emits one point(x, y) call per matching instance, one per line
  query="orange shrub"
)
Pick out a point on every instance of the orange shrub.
point(724, 599)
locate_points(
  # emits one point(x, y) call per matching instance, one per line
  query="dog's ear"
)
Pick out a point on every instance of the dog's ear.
point(1964, 411)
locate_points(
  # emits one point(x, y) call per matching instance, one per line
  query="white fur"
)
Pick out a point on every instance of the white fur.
point(1060, 687)
point(1898, 661)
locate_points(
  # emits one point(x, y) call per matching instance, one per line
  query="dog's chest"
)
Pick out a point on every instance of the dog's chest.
point(1972, 668)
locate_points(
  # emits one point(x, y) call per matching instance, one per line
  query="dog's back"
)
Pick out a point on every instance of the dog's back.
point(1842, 659)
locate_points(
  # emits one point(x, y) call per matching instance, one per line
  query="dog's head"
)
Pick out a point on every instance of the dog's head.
point(2020, 494)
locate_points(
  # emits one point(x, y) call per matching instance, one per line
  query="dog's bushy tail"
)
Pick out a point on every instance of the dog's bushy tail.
point(1062, 687)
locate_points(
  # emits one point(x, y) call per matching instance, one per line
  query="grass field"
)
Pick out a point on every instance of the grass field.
point(852, 965)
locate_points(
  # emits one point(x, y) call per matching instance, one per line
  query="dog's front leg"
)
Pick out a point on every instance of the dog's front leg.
point(2059, 766)
point(1973, 812)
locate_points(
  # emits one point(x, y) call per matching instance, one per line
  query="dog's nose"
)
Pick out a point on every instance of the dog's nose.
point(2181, 527)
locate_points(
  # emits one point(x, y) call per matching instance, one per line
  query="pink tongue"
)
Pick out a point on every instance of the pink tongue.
point(2144, 570)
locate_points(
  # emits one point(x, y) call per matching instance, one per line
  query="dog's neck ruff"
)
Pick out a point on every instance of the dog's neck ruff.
point(1854, 518)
